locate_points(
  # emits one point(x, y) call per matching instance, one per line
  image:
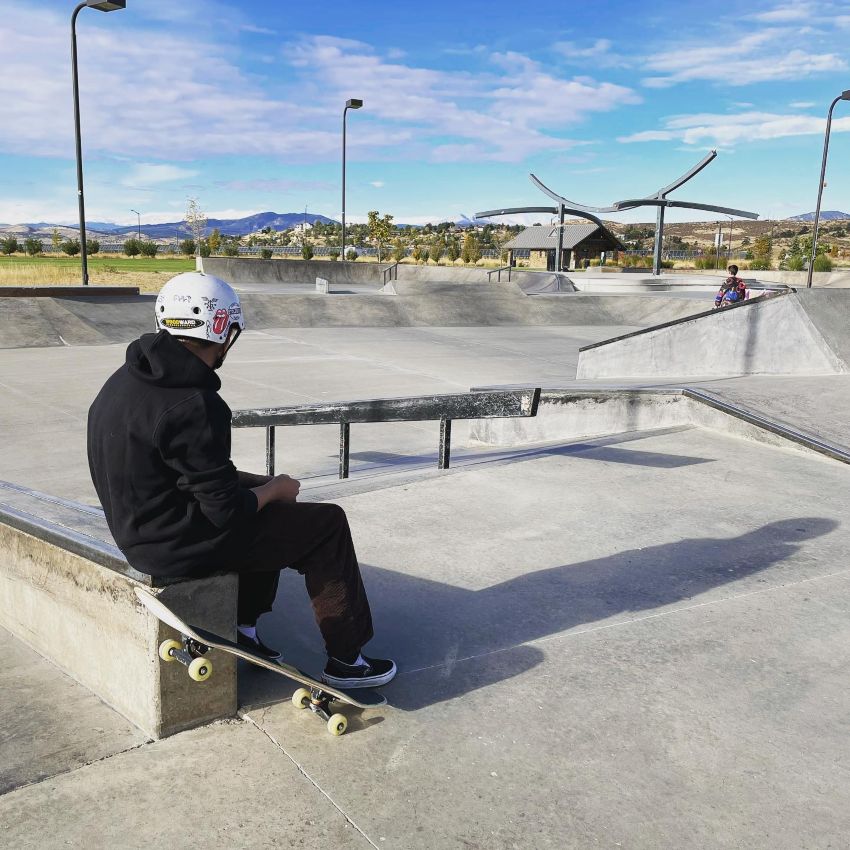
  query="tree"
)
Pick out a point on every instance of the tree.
point(453, 249)
point(131, 247)
point(762, 253)
point(436, 250)
point(55, 239)
point(380, 230)
point(9, 245)
point(399, 250)
point(214, 241)
point(417, 253)
point(32, 246)
point(203, 248)
point(351, 255)
point(148, 249)
point(92, 246)
point(187, 247)
point(71, 247)
point(334, 255)
point(196, 220)
point(266, 253)
point(471, 252)
point(307, 250)
point(822, 263)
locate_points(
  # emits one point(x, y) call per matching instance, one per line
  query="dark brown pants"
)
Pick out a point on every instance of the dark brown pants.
point(315, 539)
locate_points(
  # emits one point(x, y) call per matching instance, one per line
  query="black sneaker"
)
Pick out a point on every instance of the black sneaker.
point(256, 645)
point(370, 674)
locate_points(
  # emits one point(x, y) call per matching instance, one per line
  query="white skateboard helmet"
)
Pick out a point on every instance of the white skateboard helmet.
point(199, 306)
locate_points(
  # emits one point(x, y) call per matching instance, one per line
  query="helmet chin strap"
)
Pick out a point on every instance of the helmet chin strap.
point(232, 336)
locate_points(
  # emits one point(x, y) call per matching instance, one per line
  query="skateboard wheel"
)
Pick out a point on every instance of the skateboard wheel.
point(337, 724)
point(200, 669)
point(301, 698)
point(166, 647)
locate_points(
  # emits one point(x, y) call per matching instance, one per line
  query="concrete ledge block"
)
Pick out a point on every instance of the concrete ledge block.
point(86, 619)
point(322, 286)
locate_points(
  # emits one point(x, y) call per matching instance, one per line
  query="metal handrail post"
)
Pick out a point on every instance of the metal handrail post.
point(445, 443)
point(270, 450)
point(845, 95)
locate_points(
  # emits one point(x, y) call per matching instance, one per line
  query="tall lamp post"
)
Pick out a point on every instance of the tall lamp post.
point(139, 223)
point(352, 103)
point(101, 6)
point(845, 95)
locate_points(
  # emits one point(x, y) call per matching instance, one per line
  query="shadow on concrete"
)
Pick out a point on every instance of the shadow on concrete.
point(456, 640)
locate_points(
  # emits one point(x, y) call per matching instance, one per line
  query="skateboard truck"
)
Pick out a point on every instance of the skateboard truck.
point(319, 703)
point(190, 653)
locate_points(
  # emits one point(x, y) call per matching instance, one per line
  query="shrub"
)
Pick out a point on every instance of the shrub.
point(760, 264)
point(9, 245)
point(205, 248)
point(667, 264)
point(131, 247)
point(266, 253)
point(822, 263)
point(594, 262)
point(307, 251)
point(795, 263)
point(148, 249)
point(231, 249)
point(92, 246)
point(187, 247)
point(71, 247)
point(399, 251)
point(32, 246)
point(334, 255)
point(351, 254)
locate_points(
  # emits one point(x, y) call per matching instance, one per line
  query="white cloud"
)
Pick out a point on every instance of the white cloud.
point(754, 58)
point(729, 130)
point(378, 184)
point(179, 95)
point(145, 174)
point(598, 55)
point(802, 104)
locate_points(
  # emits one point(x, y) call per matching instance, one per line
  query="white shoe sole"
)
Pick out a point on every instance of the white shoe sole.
point(361, 682)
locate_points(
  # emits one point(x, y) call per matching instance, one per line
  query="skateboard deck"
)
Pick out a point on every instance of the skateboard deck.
point(196, 642)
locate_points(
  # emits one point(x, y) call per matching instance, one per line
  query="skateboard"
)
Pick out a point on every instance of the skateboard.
point(191, 651)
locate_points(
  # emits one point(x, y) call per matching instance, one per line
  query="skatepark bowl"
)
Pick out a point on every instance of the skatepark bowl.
point(603, 532)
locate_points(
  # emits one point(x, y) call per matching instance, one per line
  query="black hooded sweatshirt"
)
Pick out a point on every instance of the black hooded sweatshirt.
point(159, 455)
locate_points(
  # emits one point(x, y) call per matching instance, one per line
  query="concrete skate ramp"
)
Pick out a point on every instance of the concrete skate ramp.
point(244, 270)
point(784, 334)
point(40, 322)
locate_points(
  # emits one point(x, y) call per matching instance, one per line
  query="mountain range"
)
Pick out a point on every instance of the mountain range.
point(825, 215)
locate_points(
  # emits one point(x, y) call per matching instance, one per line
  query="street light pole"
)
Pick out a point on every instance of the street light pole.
point(102, 6)
point(845, 95)
point(139, 217)
point(352, 103)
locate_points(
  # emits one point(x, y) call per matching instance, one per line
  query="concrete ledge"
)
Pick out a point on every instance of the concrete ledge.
point(64, 291)
point(86, 619)
point(568, 414)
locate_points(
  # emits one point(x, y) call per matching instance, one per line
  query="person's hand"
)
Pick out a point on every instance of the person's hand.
point(286, 489)
point(281, 488)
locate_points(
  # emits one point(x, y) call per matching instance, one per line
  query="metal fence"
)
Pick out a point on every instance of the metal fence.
point(442, 408)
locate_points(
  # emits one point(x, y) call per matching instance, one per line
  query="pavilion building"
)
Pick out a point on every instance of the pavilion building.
point(581, 242)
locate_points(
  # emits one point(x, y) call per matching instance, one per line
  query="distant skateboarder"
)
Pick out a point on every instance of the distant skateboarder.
point(732, 290)
point(159, 455)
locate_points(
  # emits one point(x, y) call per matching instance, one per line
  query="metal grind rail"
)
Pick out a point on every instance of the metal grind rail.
point(442, 408)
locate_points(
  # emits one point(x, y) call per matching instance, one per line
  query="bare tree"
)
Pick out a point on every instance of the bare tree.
point(196, 220)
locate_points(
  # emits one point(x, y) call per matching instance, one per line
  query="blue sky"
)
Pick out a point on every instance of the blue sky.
point(239, 105)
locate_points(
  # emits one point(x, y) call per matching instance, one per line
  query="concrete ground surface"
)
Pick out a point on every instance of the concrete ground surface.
point(640, 640)
point(633, 645)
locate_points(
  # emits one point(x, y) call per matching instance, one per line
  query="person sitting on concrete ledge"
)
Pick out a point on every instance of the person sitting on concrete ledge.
point(159, 456)
point(732, 290)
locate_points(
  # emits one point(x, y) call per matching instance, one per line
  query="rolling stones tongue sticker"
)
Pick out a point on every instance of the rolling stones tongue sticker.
point(219, 322)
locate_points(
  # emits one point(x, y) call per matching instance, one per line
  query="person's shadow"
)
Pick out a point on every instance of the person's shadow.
point(449, 640)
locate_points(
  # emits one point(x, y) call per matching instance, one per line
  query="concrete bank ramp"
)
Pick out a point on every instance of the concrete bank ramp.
point(801, 333)
point(41, 322)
